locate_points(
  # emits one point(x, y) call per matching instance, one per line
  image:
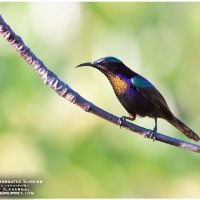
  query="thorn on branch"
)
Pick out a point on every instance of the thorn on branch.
point(87, 107)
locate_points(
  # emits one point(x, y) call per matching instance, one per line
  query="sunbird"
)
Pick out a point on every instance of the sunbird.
point(137, 95)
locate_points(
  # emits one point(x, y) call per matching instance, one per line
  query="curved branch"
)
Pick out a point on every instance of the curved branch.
point(63, 89)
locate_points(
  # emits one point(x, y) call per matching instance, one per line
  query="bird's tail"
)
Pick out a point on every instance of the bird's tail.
point(184, 129)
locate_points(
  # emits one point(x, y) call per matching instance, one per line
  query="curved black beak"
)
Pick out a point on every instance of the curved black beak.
point(88, 64)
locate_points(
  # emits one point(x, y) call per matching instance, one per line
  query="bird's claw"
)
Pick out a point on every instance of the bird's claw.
point(120, 120)
point(152, 134)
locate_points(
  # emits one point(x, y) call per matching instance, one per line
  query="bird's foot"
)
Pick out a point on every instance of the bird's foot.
point(152, 134)
point(121, 120)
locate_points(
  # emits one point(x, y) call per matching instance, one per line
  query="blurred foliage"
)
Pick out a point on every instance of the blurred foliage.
point(80, 155)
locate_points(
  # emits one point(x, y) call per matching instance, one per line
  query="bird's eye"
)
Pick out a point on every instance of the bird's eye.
point(103, 62)
point(114, 68)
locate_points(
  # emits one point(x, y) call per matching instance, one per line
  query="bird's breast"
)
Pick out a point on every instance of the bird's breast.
point(119, 84)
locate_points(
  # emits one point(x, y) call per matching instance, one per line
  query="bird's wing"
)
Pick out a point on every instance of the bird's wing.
point(150, 92)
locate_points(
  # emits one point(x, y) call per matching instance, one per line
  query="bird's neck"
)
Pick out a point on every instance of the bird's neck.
point(122, 80)
point(119, 83)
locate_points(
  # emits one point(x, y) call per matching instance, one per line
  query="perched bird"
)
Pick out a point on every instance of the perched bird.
point(137, 95)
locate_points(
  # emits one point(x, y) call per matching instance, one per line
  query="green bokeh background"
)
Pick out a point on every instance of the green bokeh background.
point(76, 154)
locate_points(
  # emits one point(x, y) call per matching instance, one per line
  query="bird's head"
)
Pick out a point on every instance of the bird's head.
point(107, 65)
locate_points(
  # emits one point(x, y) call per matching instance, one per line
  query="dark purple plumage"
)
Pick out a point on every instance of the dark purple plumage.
point(137, 95)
